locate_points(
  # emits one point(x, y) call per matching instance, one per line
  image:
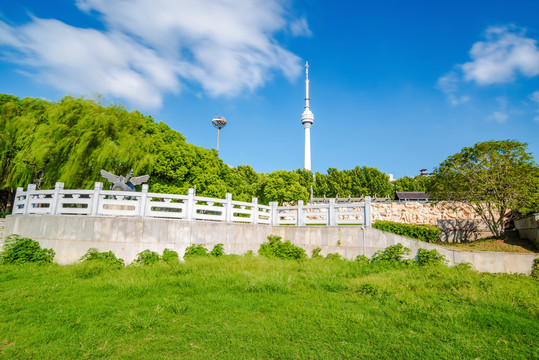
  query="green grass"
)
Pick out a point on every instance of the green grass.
point(258, 308)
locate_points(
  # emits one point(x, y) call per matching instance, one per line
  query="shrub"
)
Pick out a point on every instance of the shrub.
point(391, 253)
point(3, 214)
point(275, 248)
point(362, 259)
point(428, 233)
point(170, 256)
point(195, 250)
point(18, 250)
point(334, 256)
point(316, 253)
point(535, 268)
point(218, 250)
point(146, 257)
point(107, 257)
point(430, 257)
point(464, 266)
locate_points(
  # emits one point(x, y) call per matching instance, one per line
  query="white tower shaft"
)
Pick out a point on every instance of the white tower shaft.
point(307, 162)
point(307, 119)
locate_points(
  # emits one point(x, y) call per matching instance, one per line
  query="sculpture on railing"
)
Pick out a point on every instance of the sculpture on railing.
point(126, 183)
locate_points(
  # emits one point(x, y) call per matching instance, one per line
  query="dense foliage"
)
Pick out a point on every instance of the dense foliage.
point(276, 248)
point(71, 140)
point(105, 256)
point(493, 177)
point(428, 233)
point(18, 250)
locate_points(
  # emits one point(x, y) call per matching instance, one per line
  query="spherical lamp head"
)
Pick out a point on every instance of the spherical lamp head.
point(219, 122)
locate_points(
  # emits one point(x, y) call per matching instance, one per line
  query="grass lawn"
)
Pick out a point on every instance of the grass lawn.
point(493, 244)
point(257, 308)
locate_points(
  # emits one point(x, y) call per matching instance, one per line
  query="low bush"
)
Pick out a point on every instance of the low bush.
point(275, 248)
point(391, 253)
point(316, 253)
point(146, 257)
point(334, 256)
point(170, 256)
point(362, 259)
point(17, 250)
point(218, 250)
point(427, 233)
point(535, 268)
point(3, 214)
point(195, 250)
point(430, 257)
point(106, 257)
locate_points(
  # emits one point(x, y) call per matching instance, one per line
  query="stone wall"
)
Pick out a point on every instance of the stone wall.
point(412, 212)
point(528, 228)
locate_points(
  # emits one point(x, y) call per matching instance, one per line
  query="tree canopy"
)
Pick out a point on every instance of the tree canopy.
point(493, 176)
point(71, 140)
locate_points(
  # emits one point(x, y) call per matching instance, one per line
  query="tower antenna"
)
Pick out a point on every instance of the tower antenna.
point(307, 119)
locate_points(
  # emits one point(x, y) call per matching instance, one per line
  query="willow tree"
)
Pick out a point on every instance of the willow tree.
point(493, 177)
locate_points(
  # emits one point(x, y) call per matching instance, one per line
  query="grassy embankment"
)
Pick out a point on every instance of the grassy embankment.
point(254, 308)
point(493, 244)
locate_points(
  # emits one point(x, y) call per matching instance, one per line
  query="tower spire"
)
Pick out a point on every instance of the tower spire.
point(307, 119)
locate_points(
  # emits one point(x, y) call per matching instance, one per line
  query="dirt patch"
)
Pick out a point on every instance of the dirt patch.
point(492, 244)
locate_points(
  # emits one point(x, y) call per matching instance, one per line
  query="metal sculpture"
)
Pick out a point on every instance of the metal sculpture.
point(126, 183)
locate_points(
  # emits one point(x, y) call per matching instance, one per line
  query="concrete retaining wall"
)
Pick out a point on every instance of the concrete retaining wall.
point(528, 228)
point(72, 236)
point(2, 225)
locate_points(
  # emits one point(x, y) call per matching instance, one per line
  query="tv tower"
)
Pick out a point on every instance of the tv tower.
point(307, 119)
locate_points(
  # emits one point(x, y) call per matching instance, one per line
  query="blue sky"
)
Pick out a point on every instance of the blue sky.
point(395, 85)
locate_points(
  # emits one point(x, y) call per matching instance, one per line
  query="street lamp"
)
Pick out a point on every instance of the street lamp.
point(219, 122)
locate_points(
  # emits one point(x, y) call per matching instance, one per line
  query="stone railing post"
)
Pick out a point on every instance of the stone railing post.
point(58, 187)
point(18, 193)
point(98, 187)
point(274, 220)
point(190, 207)
point(143, 200)
point(368, 214)
point(29, 192)
point(228, 208)
point(332, 214)
point(254, 209)
point(300, 221)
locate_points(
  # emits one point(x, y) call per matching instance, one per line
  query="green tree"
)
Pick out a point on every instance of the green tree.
point(493, 177)
point(377, 182)
point(281, 186)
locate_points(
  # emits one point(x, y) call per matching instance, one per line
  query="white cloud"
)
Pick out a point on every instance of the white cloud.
point(506, 52)
point(449, 85)
point(151, 47)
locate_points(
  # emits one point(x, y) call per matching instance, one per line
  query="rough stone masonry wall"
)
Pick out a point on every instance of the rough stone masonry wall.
point(412, 212)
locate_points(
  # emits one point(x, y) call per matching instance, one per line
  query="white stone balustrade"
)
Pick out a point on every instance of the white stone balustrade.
point(99, 202)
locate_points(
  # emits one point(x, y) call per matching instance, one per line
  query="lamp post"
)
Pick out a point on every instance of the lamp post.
point(219, 122)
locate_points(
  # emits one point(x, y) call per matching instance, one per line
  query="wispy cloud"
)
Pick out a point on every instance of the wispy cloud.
point(449, 85)
point(151, 47)
point(300, 27)
point(501, 114)
point(505, 52)
point(535, 98)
